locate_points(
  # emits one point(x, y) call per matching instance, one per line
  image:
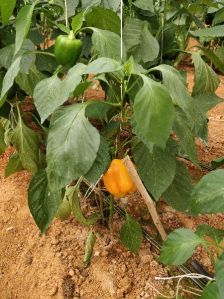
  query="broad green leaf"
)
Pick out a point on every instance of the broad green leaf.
point(217, 162)
point(3, 146)
point(211, 291)
point(101, 163)
point(28, 82)
point(72, 145)
point(6, 8)
point(147, 5)
point(104, 19)
point(215, 31)
point(77, 21)
point(206, 101)
point(72, 194)
point(212, 55)
point(219, 17)
point(132, 32)
point(206, 80)
point(179, 246)
point(43, 203)
point(7, 56)
point(106, 43)
point(175, 84)
point(88, 3)
point(178, 194)
point(13, 165)
point(26, 142)
point(23, 22)
point(156, 169)
point(52, 92)
point(90, 242)
point(219, 274)
point(9, 79)
point(148, 50)
point(185, 134)
point(103, 65)
point(97, 110)
point(112, 4)
point(208, 194)
point(131, 234)
point(139, 41)
point(153, 112)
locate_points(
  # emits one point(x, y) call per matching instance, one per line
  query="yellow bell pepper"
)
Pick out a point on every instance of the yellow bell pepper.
point(117, 180)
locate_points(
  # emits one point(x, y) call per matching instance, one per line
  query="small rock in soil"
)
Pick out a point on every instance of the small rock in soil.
point(68, 287)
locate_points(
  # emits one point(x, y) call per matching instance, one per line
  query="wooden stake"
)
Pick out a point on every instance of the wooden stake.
point(147, 198)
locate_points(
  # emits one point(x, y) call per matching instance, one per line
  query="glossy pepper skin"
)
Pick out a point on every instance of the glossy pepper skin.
point(67, 49)
point(117, 180)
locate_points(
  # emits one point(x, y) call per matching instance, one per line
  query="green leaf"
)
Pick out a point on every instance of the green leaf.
point(214, 58)
point(219, 17)
point(106, 43)
point(72, 194)
point(7, 8)
point(206, 80)
point(185, 134)
point(219, 274)
point(215, 31)
point(156, 169)
point(132, 32)
point(43, 203)
point(103, 65)
point(50, 93)
point(9, 79)
point(131, 234)
point(3, 145)
point(148, 50)
point(112, 4)
point(28, 82)
point(211, 291)
point(208, 194)
point(81, 88)
point(23, 22)
point(178, 194)
point(179, 246)
point(206, 101)
point(26, 142)
point(101, 163)
point(104, 19)
point(153, 112)
point(176, 85)
point(139, 41)
point(217, 162)
point(7, 56)
point(147, 5)
point(90, 242)
point(13, 165)
point(77, 21)
point(72, 145)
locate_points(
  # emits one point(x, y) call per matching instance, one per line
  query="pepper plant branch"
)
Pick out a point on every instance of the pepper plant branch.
point(147, 198)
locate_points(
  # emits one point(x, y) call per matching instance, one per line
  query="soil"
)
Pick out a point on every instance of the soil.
point(51, 266)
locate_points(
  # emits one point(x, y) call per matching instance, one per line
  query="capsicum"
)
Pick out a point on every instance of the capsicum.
point(117, 179)
point(67, 49)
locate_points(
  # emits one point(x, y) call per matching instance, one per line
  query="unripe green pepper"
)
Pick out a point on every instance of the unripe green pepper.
point(67, 49)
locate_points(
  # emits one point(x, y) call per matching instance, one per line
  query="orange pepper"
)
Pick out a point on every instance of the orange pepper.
point(117, 179)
